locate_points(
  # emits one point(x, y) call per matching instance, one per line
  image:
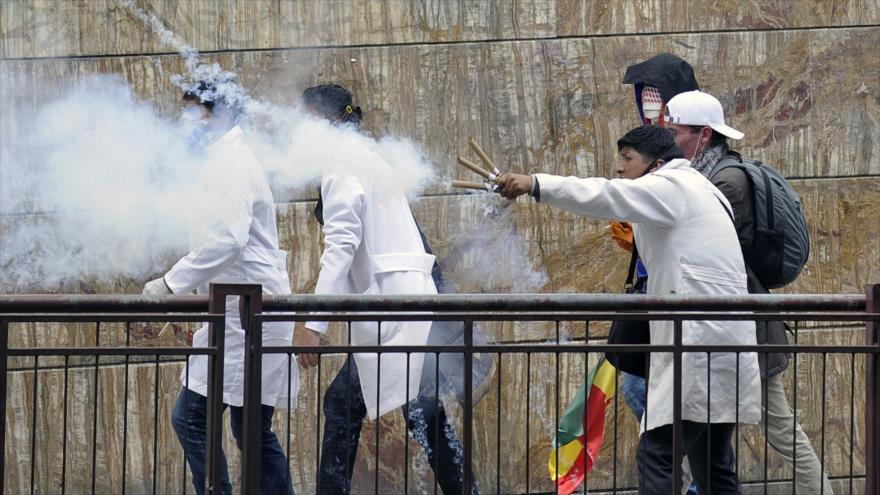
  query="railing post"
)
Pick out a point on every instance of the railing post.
point(677, 428)
point(214, 414)
point(251, 308)
point(467, 474)
point(872, 387)
point(4, 367)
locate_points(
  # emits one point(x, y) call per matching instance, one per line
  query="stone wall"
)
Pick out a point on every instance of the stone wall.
point(538, 83)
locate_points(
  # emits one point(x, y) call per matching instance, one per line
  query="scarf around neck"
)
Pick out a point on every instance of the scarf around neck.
point(706, 162)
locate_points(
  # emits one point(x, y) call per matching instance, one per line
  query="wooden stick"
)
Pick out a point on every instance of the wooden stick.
point(463, 184)
point(483, 156)
point(475, 168)
point(165, 329)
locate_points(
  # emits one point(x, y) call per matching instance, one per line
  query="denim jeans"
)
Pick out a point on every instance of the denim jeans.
point(635, 394)
point(189, 419)
point(344, 413)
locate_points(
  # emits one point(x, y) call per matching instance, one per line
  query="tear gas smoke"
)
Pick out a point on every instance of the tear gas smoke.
point(112, 179)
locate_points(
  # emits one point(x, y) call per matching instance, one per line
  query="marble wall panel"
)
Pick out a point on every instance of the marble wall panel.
point(68, 447)
point(44, 28)
point(576, 17)
point(843, 254)
point(48, 28)
point(555, 105)
point(529, 103)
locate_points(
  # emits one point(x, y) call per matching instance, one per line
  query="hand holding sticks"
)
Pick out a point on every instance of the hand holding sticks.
point(490, 175)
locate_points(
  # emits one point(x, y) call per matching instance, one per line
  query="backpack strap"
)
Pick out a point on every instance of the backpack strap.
point(736, 161)
point(632, 268)
point(726, 210)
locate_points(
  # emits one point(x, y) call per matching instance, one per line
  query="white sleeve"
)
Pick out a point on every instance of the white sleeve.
point(652, 199)
point(220, 227)
point(343, 197)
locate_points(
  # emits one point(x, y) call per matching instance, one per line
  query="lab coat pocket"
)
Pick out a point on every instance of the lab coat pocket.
point(271, 257)
point(698, 279)
point(402, 262)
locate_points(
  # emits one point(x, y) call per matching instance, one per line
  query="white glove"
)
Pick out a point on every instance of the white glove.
point(156, 287)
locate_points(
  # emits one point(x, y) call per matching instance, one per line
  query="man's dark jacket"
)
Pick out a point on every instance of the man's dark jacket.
point(738, 189)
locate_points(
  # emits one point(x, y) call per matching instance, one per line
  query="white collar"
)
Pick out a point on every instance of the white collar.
point(676, 163)
point(230, 136)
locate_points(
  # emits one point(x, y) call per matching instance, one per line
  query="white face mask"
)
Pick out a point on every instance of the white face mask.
point(193, 124)
point(192, 113)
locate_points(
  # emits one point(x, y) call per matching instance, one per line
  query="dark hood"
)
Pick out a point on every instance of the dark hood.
point(667, 72)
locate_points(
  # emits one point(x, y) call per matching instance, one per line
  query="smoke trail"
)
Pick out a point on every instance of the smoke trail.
point(293, 147)
point(492, 256)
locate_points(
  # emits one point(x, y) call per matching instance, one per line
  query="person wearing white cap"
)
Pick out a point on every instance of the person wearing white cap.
point(696, 120)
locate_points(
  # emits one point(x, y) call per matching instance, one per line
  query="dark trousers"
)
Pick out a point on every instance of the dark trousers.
point(709, 453)
point(189, 419)
point(344, 413)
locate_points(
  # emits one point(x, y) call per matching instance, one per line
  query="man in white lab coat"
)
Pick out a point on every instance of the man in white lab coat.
point(689, 246)
point(233, 239)
point(372, 245)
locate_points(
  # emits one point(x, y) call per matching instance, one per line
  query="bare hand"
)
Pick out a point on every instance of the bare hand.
point(307, 338)
point(512, 185)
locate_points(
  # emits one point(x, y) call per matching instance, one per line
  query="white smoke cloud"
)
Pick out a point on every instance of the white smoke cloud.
point(111, 180)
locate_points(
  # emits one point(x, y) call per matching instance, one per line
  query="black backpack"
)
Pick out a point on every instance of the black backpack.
point(782, 241)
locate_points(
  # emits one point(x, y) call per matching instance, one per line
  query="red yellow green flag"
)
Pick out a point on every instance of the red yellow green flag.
point(574, 452)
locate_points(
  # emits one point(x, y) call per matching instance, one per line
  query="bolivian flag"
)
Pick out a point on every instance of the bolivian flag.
point(577, 451)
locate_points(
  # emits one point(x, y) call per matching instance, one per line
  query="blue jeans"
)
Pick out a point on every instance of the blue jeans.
point(635, 395)
point(189, 421)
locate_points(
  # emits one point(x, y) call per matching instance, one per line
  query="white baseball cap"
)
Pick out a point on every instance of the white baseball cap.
point(698, 108)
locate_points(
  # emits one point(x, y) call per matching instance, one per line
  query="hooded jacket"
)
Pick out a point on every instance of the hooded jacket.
point(667, 72)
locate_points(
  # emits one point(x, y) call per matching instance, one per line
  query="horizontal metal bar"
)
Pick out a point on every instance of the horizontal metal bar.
point(565, 302)
point(98, 303)
point(551, 348)
point(110, 351)
point(570, 316)
point(108, 317)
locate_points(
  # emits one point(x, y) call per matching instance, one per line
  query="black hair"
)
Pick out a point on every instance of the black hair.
point(332, 102)
point(652, 141)
point(207, 95)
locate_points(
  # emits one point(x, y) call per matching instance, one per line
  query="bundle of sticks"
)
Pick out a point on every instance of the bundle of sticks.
point(490, 175)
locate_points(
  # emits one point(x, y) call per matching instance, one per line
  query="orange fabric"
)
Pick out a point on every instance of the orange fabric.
point(622, 233)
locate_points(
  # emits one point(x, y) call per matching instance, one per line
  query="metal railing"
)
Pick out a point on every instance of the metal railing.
point(587, 310)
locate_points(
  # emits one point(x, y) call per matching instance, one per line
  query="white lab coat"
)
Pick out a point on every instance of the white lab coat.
point(372, 246)
point(689, 246)
point(234, 239)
